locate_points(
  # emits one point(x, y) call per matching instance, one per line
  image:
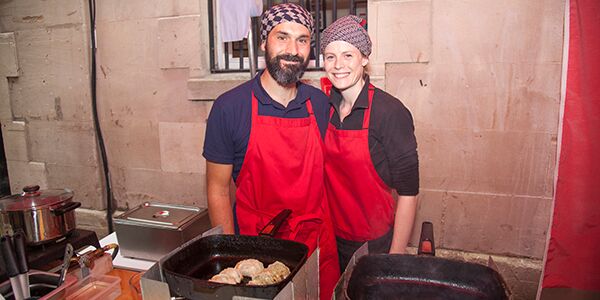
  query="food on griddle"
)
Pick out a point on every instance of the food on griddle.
point(228, 275)
point(222, 278)
point(279, 269)
point(263, 278)
point(233, 273)
point(249, 267)
point(253, 268)
point(274, 273)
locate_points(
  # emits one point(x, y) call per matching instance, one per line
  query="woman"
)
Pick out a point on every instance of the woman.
point(370, 147)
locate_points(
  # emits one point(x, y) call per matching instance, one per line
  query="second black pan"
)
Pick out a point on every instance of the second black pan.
point(399, 276)
point(423, 276)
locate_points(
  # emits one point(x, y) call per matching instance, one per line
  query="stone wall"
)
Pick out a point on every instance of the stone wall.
point(45, 98)
point(482, 79)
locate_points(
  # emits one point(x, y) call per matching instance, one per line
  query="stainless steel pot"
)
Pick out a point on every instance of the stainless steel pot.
point(43, 215)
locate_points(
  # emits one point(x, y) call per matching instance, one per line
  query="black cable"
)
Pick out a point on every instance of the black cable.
point(109, 196)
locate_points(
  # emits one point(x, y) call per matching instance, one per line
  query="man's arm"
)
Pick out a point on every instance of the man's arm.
point(218, 179)
point(406, 209)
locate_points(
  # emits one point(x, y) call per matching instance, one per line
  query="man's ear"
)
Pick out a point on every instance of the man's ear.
point(263, 46)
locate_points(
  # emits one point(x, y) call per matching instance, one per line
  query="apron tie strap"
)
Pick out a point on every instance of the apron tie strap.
point(295, 222)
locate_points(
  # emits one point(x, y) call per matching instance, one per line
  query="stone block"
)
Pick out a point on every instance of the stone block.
point(401, 32)
point(179, 42)
point(516, 163)
point(181, 147)
point(14, 137)
point(129, 46)
point(132, 187)
point(211, 87)
point(24, 15)
point(430, 208)
point(94, 220)
point(161, 95)
point(64, 143)
point(132, 143)
point(5, 109)
point(115, 10)
point(86, 183)
point(9, 64)
point(498, 224)
point(120, 101)
point(54, 75)
point(174, 104)
point(513, 31)
point(22, 173)
point(411, 84)
point(501, 97)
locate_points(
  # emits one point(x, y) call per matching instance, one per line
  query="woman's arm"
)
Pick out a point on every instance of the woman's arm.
point(406, 209)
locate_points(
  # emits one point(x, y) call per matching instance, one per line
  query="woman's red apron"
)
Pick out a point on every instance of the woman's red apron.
point(362, 206)
point(283, 168)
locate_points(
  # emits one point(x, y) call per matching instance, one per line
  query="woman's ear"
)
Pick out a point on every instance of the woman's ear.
point(365, 61)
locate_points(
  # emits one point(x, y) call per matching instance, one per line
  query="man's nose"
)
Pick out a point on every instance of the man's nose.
point(291, 47)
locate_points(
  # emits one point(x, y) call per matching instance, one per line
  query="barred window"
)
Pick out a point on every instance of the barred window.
point(234, 56)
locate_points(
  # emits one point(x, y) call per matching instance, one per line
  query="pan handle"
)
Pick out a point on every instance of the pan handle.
point(273, 226)
point(65, 208)
point(426, 244)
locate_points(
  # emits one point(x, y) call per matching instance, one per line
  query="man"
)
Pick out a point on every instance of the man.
point(266, 134)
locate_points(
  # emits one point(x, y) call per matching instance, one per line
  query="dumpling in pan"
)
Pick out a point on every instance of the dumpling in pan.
point(263, 278)
point(222, 278)
point(279, 270)
point(274, 273)
point(233, 273)
point(249, 267)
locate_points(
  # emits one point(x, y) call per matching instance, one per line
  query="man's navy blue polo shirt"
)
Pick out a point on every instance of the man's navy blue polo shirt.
point(229, 122)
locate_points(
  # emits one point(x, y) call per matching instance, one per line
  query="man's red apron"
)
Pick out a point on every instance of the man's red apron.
point(283, 168)
point(362, 206)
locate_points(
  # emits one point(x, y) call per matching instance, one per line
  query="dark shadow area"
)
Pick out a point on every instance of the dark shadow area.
point(4, 183)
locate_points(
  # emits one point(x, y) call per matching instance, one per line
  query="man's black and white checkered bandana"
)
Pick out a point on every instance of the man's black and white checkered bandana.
point(286, 12)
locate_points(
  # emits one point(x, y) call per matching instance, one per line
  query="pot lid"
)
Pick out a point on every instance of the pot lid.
point(161, 215)
point(34, 198)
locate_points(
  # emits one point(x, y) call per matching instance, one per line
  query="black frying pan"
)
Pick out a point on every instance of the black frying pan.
point(398, 276)
point(188, 270)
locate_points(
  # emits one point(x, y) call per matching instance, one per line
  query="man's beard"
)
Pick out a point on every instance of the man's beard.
point(288, 73)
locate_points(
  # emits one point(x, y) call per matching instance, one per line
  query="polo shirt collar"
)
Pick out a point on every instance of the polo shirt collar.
point(363, 97)
point(263, 97)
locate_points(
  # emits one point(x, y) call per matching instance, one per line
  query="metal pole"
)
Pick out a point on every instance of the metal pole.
point(211, 34)
point(334, 11)
point(318, 34)
point(251, 51)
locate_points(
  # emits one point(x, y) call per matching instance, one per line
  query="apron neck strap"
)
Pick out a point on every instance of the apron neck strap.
point(254, 107)
point(367, 117)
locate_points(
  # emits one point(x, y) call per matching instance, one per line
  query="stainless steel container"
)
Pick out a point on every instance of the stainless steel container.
point(43, 215)
point(152, 230)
